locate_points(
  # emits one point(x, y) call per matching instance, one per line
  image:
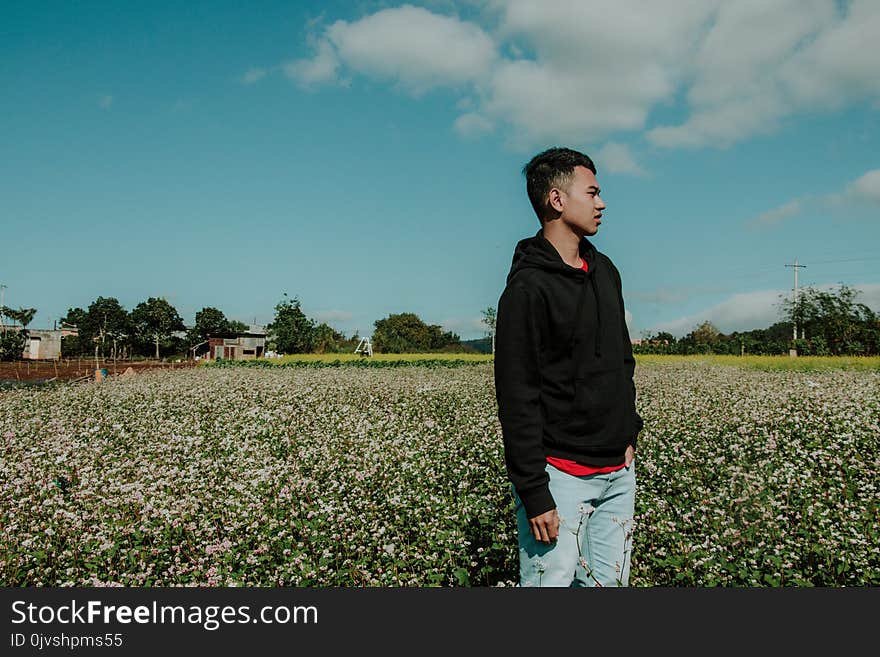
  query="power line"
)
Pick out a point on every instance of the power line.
point(825, 262)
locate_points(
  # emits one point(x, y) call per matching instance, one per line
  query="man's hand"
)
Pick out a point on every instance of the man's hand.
point(629, 456)
point(545, 527)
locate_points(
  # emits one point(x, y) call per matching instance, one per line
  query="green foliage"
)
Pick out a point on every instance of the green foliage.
point(154, 321)
point(407, 333)
point(75, 317)
point(704, 339)
point(13, 341)
point(293, 332)
point(329, 340)
point(834, 323)
point(110, 323)
point(209, 322)
point(490, 316)
point(12, 344)
point(21, 317)
point(75, 345)
point(236, 326)
point(106, 325)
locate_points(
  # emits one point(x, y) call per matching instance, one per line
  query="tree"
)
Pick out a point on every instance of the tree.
point(440, 340)
point(834, 322)
point(293, 332)
point(26, 316)
point(74, 345)
point(12, 343)
point(209, 321)
point(22, 316)
point(236, 326)
point(663, 337)
point(406, 333)
point(660, 343)
point(704, 339)
point(108, 325)
point(154, 321)
point(328, 339)
point(489, 318)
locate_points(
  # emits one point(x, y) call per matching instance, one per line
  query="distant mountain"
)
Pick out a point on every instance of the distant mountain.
point(480, 345)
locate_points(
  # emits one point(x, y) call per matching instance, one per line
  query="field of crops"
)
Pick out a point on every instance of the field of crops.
point(387, 476)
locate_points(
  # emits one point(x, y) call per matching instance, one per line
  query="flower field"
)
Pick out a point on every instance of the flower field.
point(356, 476)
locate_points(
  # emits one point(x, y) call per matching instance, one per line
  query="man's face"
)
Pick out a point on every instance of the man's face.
point(581, 205)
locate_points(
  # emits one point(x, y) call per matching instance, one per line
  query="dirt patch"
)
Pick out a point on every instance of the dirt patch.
point(70, 369)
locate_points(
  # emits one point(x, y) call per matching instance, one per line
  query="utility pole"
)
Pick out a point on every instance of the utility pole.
point(794, 317)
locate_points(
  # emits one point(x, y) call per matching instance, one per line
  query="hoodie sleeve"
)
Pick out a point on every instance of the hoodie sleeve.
point(629, 361)
point(521, 315)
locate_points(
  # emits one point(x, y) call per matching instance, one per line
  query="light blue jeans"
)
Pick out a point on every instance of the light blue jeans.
point(595, 532)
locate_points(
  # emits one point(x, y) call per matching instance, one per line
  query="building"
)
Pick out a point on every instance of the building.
point(238, 346)
point(43, 344)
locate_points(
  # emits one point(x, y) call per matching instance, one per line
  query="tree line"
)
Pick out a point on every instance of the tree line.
point(293, 332)
point(829, 323)
point(155, 329)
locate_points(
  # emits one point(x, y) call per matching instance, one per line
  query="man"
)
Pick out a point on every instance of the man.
point(564, 385)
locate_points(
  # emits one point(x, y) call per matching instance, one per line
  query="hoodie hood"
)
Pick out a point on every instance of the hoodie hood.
point(538, 252)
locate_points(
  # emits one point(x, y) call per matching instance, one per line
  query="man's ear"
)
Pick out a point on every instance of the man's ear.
point(555, 200)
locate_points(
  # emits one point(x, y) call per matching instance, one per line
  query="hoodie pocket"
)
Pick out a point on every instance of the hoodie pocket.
point(596, 399)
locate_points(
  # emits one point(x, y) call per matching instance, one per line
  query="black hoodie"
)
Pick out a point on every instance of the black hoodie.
point(563, 367)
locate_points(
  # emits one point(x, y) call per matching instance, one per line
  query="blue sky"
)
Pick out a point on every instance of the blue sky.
point(366, 157)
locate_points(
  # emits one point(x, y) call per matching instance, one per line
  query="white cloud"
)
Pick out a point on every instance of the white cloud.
point(546, 104)
point(722, 125)
point(617, 158)
point(757, 310)
point(322, 67)
point(869, 295)
point(583, 71)
point(764, 61)
point(473, 125)
point(776, 216)
point(866, 188)
point(105, 101)
point(748, 40)
point(599, 67)
point(409, 45)
point(253, 75)
point(838, 66)
point(741, 312)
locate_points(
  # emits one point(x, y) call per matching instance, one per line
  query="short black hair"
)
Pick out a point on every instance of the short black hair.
point(551, 168)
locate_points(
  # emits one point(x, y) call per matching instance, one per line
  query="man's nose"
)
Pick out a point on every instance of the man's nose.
point(600, 204)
